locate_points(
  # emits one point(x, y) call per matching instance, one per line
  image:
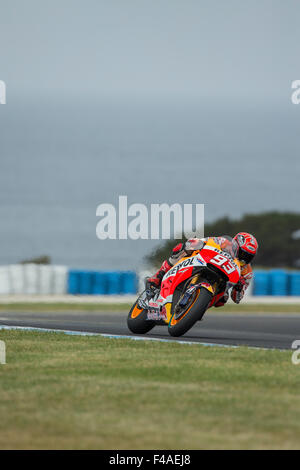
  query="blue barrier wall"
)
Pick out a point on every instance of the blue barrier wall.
point(279, 282)
point(262, 284)
point(102, 282)
point(129, 282)
point(294, 283)
point(73, 282)
point(85, 282)
point(276, 282)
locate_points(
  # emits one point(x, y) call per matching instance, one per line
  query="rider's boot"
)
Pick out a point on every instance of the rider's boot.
point(153, 283)
point(222, 301)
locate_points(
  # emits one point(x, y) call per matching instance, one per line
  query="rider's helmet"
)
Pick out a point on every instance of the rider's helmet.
point(246, 246)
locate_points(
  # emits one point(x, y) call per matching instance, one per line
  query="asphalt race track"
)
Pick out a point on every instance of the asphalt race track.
point(267, 331)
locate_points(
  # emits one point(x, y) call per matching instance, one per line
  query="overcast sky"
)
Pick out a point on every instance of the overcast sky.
point(195, 82)
point(214, 48)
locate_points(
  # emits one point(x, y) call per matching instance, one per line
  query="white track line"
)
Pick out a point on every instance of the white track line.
point(135, 338)
point(109, 335)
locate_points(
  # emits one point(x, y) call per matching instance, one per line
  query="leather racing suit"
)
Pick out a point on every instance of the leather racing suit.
point(186, 249)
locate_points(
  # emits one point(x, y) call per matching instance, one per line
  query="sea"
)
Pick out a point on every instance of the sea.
point(63, 156)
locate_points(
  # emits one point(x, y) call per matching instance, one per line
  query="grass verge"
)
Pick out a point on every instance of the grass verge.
point(64, 307)
point(125, 307)
point(67, 392)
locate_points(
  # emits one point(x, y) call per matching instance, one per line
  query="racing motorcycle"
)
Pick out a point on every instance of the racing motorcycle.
point(194, 284)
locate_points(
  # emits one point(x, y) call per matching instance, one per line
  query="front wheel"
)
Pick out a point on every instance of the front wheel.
point(193, 313)
point(137, 320)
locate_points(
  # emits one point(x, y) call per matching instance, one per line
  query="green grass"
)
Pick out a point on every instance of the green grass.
point(71, 392)
point(125, 307)
point(258, 308)
point(63, 307)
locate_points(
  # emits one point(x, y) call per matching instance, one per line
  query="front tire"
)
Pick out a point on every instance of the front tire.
point(193, 313)
point(137, 320)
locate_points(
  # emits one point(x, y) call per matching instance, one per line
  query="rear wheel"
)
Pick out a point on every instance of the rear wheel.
point(137, 320)
point(193, 312)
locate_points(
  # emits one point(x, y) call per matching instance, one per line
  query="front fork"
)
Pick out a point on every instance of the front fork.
point(195, 284)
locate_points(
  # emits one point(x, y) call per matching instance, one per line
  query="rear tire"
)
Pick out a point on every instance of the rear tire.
point(194, 313)
point(137, 321)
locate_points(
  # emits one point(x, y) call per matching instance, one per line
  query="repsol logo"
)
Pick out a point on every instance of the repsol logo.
point(184, 264)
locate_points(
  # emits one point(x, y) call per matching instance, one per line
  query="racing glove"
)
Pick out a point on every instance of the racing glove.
point(238, 291)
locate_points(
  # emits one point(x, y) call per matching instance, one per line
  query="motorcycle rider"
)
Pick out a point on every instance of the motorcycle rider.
point(242, 246)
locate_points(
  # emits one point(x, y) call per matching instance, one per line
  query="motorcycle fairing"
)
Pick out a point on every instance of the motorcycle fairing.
point(189, 265)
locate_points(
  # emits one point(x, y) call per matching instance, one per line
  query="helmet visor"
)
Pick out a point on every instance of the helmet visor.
point(245, 256)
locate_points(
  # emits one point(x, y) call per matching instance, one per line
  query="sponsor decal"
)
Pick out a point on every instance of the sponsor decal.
point(157, 315)
point(200, 259)
point(207, 286)
point(187, 263)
